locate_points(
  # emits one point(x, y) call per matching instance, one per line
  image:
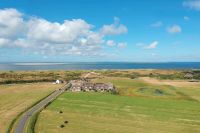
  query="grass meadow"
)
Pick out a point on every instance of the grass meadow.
point(140, 107)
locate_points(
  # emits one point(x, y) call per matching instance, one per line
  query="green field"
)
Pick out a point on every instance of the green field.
point(140, 107)
point(93, 112)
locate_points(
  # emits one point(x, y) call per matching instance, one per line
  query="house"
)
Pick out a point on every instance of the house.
point(88, 86)
point(103, 87)
point(58, 81)
point(80, 85)
point(76, 85)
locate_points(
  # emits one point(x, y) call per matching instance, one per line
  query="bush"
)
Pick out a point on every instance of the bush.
point(61, 126)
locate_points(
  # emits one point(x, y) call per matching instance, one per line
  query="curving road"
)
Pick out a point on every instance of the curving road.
point(20, 126)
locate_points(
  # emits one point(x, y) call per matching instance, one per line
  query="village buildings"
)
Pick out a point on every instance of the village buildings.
point(80, 85)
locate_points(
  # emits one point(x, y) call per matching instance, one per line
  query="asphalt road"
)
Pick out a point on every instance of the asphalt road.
point(20, 127)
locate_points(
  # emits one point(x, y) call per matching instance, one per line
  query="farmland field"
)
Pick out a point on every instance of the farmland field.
point(140, 107)
point(16, 98)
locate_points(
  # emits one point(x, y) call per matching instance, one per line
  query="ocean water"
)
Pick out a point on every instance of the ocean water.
point(98, 66)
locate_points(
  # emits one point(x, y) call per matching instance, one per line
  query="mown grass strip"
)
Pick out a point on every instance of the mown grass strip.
point(32, 122)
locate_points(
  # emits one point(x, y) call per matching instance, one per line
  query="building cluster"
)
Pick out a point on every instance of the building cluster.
point(81, 85)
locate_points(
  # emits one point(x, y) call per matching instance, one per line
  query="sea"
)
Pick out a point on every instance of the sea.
point(15, 66)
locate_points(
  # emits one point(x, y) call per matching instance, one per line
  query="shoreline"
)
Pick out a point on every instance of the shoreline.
point(98, 66)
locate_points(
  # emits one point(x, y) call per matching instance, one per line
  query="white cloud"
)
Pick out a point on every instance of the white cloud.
point(186, 18)
point(157, 24)
point(11, 23)
point(72, 37)
point(122, 45)
point(43, 30)
point(111, 43)
point(192, 4)
point(153, 45)
point(114, 29)
point(174, 29)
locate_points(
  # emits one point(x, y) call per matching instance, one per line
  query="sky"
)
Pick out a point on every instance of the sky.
point(99, 30)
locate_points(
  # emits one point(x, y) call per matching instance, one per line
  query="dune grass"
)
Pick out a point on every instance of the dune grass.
point(17, 97)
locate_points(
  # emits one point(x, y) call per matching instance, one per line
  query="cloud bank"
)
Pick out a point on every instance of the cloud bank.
point(38, 35)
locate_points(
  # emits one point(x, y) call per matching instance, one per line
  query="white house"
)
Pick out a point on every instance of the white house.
point(58, 81)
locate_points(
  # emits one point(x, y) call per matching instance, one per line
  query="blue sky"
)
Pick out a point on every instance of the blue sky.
point(99, 30)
